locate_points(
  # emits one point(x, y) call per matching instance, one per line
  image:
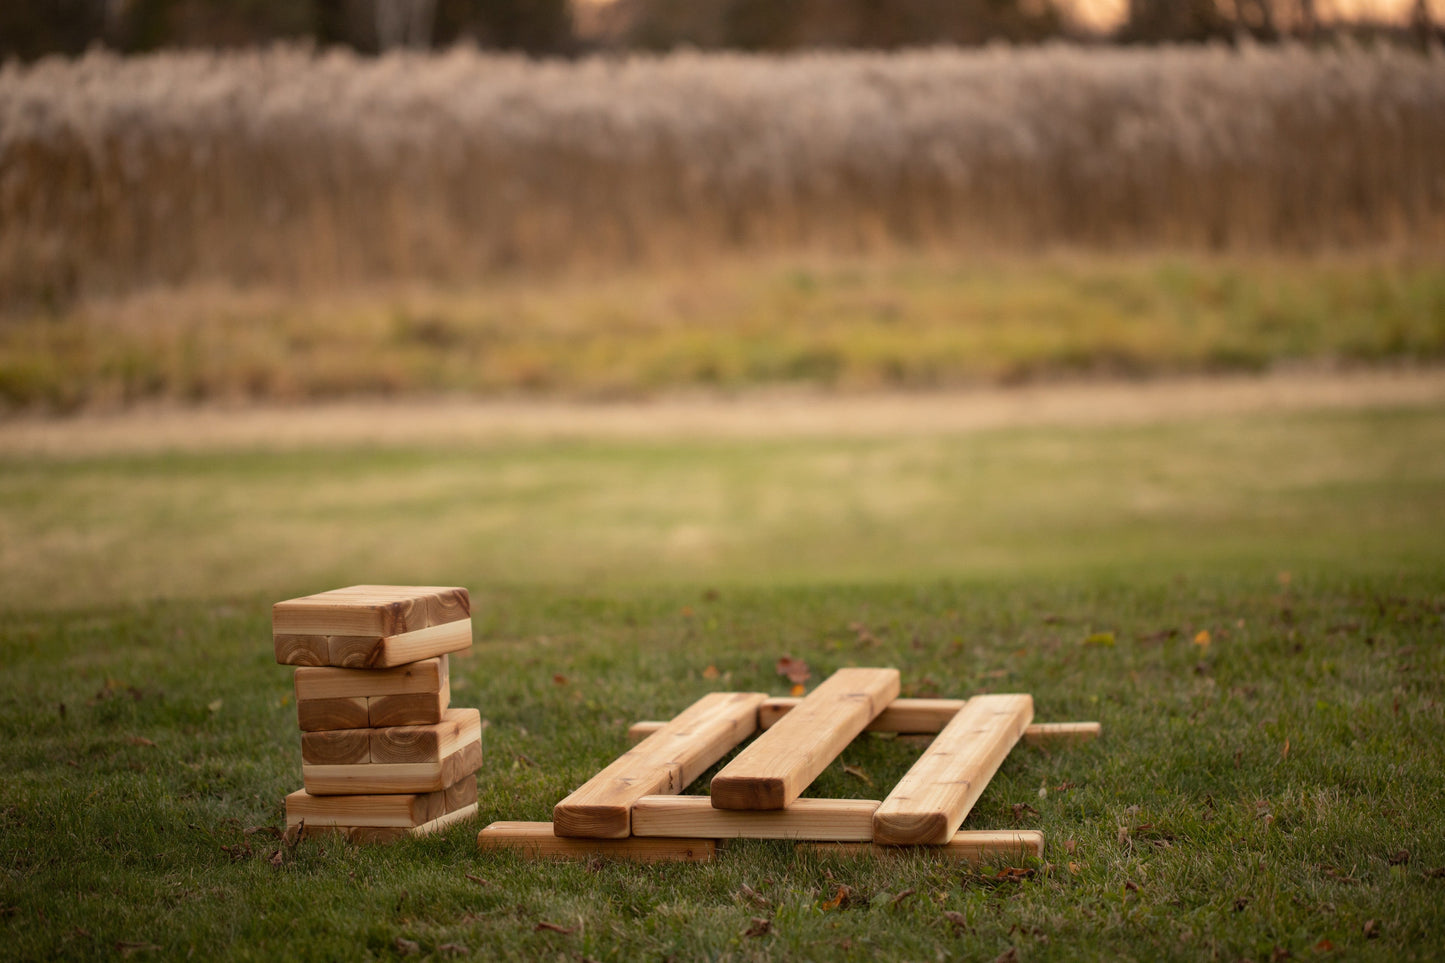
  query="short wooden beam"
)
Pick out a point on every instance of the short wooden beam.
point(663, 763)
point(932, 799)
point(1047, 734)
point(818, 819)
point(901, 715)
point(969, 845)
point(540, 841)
point(782, 762)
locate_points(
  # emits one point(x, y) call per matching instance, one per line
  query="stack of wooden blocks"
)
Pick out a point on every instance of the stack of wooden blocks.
point(383, 754)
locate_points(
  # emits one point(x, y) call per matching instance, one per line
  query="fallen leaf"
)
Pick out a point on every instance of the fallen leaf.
point(687, 612)
point(901, 897)
point(857, 772)
point(1075, 868)
point(272, 831)
point(753, 896)
point(759, 927)
point(478, 880)
point(1372, 929)
point(127, 947)
point(1020, 808)
point(559, 679)
point(552, 927)
point(139, 741)
point(1324, 945)
point(1400, 858)
point(1070, 844)
point(794, 670)
point(1131, 886)
point(1240, 902)
point(1280, 953)
point(277, 857)
point(453, 949)
point(1437, 873)
point(1099, 638)
point(956, 918)
point(839, 898)
point(215, 706)
point(797, 690)
point(1201, 638)
point(1284, 753)
point(238, 852)
point(1009, 955)
point(710, 672)
point(1014, 873)
point(407, 947)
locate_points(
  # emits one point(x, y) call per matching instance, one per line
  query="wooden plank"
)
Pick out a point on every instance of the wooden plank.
point(1046, 734)
point(969, 845)
point(412, 709)
point(779, 765)
point(320, 681)
point(382, 834)
point(540, 841)
point(389, 778)
point(461, 793)
point(403, 809)
point(315, 715)
point(901, 715)
point(820, 819)
point(371, 610)
point(663, 763)
point(336, 747)
point(932, 799)
point(369, 652)
point(415, 744)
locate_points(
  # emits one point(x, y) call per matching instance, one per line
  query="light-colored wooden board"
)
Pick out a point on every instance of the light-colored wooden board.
point(382, 834)
point(319, 681)
point(412, 709)
point(336, 747)
point(1047, 734)
point(371, 610)
point(970, 845)
point(403, 809)
point(818, 819)
point(370, 652)
point(389, 778)
point(901, 715)
point(933, 797)
point(461, 793)
point(317, 715)
point(663, 763)
point(431, 743)
point(539, 841)
point(780, 763)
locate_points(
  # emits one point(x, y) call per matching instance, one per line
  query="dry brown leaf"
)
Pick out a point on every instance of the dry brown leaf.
point(277, 857)
point(1009, 955)
point(127, 947)
point(902, 896)
point(710, 672)
point(760, 927)
point(478, 880)
point(857, 772)
point(1400, 858)
point(1372, 929)
point(839, 898)
point(139, 741)
point(956, 918)
point(559, 679)
point(753, 896)
point(407, 947)
point(453, 949)
point(552, 927)
point(794, 670)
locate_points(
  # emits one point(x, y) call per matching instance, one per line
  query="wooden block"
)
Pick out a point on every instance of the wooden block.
point(901, 715)
point(461, 793)
point(336, 747)
point(970, 845)
point(415, 678)
point(381, 834)
point(820, 819)
point(315, 715)
point(414, 744)
point(412, 709)
point(1046, 734)
point(406, 809)
point(539, 841)
point(370, 652)
point(932, 799)
point(371, 610)
point(663, 763)
point(302, 649)
point(779, 765)
point(387, 778)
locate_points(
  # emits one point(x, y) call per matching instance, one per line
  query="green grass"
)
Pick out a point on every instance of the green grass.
point(900, 322)
point(1250, 795)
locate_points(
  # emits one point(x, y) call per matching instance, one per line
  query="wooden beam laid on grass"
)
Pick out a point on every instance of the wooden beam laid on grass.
point(540, 841)
point(397, 809)
point(371, 610)
point(414, 678)
point(901, 715)
point(970, 845)
point(1048, 734)
point(820, 819)
point(932, 799)
point(663, 763)
point(782, 762)
point(387, 777)
point(459, 802)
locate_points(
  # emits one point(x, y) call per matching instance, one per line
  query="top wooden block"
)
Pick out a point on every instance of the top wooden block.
point(371, 610)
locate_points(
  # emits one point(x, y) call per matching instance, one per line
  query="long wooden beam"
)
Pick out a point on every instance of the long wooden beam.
point(820, 819)
point(969, 845)
point(932, 799)
point(1041, 734)
point(663, 763)
point(540, 841)
point(779, 765)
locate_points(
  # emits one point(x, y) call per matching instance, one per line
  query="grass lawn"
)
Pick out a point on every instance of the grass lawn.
point(1272, 689)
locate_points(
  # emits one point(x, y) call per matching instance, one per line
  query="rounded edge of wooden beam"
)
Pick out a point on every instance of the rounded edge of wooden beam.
point(748, 793)
point(1045, 734)
point(592, 822)
point(930, 829)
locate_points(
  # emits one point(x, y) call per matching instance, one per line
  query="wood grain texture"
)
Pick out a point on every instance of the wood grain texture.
point(336, 747)
point(403, 809)
point(901, 715)
point(319, 681)
point(1049, 734)
point(779, 765)
point(316, 715)
point(663, 763)
point(818, 819)
point(371, 610)
point(412, 709)
point(370, 652)
point(430, 743)
point(932, 799)
point(381, 834)
point(969, 845)
point(539, 841)
point(390, 777)
point(461, 793)
point(301, 649)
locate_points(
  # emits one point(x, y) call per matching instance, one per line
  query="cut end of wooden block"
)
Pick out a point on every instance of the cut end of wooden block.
point(734, 792)
point(586, 821)
point(926, 829)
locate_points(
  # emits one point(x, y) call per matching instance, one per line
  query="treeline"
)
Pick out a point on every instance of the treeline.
point(570, 27)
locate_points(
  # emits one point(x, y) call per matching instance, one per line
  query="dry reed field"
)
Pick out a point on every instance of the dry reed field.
point(305, 170)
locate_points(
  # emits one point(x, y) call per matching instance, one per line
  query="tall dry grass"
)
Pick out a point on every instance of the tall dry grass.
point(289, 167)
